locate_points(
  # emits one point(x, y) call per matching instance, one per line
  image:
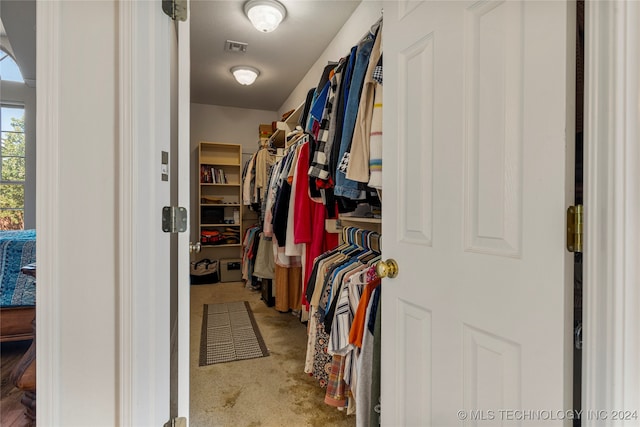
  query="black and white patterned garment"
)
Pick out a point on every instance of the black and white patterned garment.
point(344, 162)
point(321, 359)
point(319, 167)
point(377, 72)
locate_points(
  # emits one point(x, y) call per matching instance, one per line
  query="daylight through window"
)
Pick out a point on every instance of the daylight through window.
point(12, 168)
point(9, 70)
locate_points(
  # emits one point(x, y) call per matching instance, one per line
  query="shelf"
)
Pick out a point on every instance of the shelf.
point(286, 126)
point(220, 225)
point(366, 223)
point(294, 117)
point(233, 245)
point(219, 164)
point(220, 185)
point(360, 219)
point(221, 205)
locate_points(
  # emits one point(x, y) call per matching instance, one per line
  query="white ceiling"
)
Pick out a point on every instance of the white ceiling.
point(283, 56)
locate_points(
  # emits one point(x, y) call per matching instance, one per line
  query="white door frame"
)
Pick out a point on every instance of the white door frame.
point(611, 325)
point(612, 95)
point(126, 234)
point(47, 207)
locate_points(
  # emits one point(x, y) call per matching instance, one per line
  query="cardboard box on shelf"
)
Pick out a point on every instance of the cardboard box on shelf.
point(265, 130)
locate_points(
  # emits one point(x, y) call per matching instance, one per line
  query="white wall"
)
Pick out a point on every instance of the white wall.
point(353, 30)
point(77, 317)
point(215, 123)
point(21, 94)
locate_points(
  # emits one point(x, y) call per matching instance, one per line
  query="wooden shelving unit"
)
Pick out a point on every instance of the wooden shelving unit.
point(220, 196)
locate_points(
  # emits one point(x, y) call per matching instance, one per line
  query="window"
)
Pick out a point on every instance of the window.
point(12, 168)
point(9, 70)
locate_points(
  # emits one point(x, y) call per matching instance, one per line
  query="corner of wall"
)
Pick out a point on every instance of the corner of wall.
point(365, 15)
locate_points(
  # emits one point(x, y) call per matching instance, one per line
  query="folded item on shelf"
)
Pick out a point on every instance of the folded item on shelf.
point(211, 237)
point(363, 210)
point(210, 199)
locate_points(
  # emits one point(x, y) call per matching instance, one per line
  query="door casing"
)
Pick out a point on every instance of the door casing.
point(611, 336)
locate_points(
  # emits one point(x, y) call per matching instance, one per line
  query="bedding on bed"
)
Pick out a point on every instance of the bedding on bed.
point(17, 249)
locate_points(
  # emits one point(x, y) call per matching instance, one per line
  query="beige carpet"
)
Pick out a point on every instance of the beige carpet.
point(269, 391)
point(230, 332)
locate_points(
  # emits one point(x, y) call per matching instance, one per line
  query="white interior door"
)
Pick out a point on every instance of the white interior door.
point(184, 188)
point(478, 137)
point(152, 376)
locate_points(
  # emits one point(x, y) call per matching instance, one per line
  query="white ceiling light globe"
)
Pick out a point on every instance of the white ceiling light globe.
point(245, 75)
point(265, 15)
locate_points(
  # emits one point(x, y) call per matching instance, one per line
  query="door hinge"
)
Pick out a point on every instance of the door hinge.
point(574, 228)
point(176, 422)
point(176, 9)
point(174, 219)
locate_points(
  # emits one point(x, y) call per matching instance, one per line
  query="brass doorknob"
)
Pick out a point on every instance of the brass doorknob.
point(388, 268)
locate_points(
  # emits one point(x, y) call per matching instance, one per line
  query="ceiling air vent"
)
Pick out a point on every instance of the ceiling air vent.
point(231, 46)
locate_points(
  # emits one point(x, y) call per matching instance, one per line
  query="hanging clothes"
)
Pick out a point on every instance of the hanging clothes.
point(331, 164)
point(344, 186)
point(249, 180)
point(255, 176)
point(375, 136)
point(365, 369)
point(254, 184)
point(339, 290)
point(358, 167)
point(249, 252)
point(264, 263)
point(309, 219)
point(341, 118)
point(278, 223)
point(263, 163)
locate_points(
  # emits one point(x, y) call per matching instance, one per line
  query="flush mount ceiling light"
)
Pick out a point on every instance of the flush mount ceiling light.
point(265, 15)
point(244, 74)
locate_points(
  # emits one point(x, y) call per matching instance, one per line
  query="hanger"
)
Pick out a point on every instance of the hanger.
point(296, 136)
point(359, 248)
point(353, 248)
point(374, 28)
point(371, 253)
point(344, 235)
point(376, 246)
